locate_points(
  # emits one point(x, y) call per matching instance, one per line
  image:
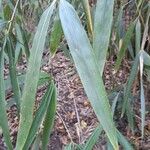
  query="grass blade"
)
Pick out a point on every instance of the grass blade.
point(123, 141)
point(22, 40)
point(146, 58)
point(56, 35)
point(49, 120)
point(27, 103)
point(102, 30)
point(93, 138)
point(109, 146)
point(13, 74)
point(3, 115)
point(36, 144)
point(86, 65)
point(39, 115)
point(138, 36)
point(125, 44)
point(96, 133)
point(119, 24)
point(114, 103)
point(126, 104)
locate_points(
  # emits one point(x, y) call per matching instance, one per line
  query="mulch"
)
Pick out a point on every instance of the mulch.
point(75, 119)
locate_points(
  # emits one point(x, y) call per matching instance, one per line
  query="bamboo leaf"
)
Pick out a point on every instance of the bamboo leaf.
point(102, 30)
point(13, 74)
point(96, 133)
point(39, 115)
point(119, 24)
point(31, 81)
point(22, 40)
point(49, 120)
point(86, 65)
point(126, 41)
point(93, 138)
point(56, 35)
point(126, 105)
point(36, 144)
point(43, 78)
point(123, 141)
point(138, 36)
point(3, 115)
point(109, 146)
point(146, 58)
point(114, 103)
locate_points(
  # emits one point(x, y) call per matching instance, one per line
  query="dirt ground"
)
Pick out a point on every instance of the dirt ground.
point(75, 119)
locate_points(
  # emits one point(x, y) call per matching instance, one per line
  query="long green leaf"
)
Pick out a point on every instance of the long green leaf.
point(123, 141)
point(102, 30)
point(126, 105)
point(49, 120)
point(43, 79)
point(3, 115)
point(114, 104)
point(22, 40)
point(119, 24)
point(146, 58)
point(93, 138)
point(13, 73)
point(36, 145)
point(27, 103)
point(97, 131)
point(109, 146)
point(126, 41)
point(138, 36)
point(86, 65)
point(39, 115)
point(56, 35)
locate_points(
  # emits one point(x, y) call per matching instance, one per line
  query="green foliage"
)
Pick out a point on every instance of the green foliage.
point(29, 124)
point(88, 52)
point(49, 120)
point(48, 104)
point(86, 65)
point(13, 74)
point(32, 76)
point(3, 115)
point(56, 35)
point(102, 30)
point(125, 43)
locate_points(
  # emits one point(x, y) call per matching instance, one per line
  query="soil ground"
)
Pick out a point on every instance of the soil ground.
point(75, 119)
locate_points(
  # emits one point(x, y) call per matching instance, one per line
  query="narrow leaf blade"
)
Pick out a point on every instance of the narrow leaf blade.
point(27, 104)
point(49, 120)
point(102, 30)
point(39, 115)
point(126, 41)
point(3, 115)
point(86, 65)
